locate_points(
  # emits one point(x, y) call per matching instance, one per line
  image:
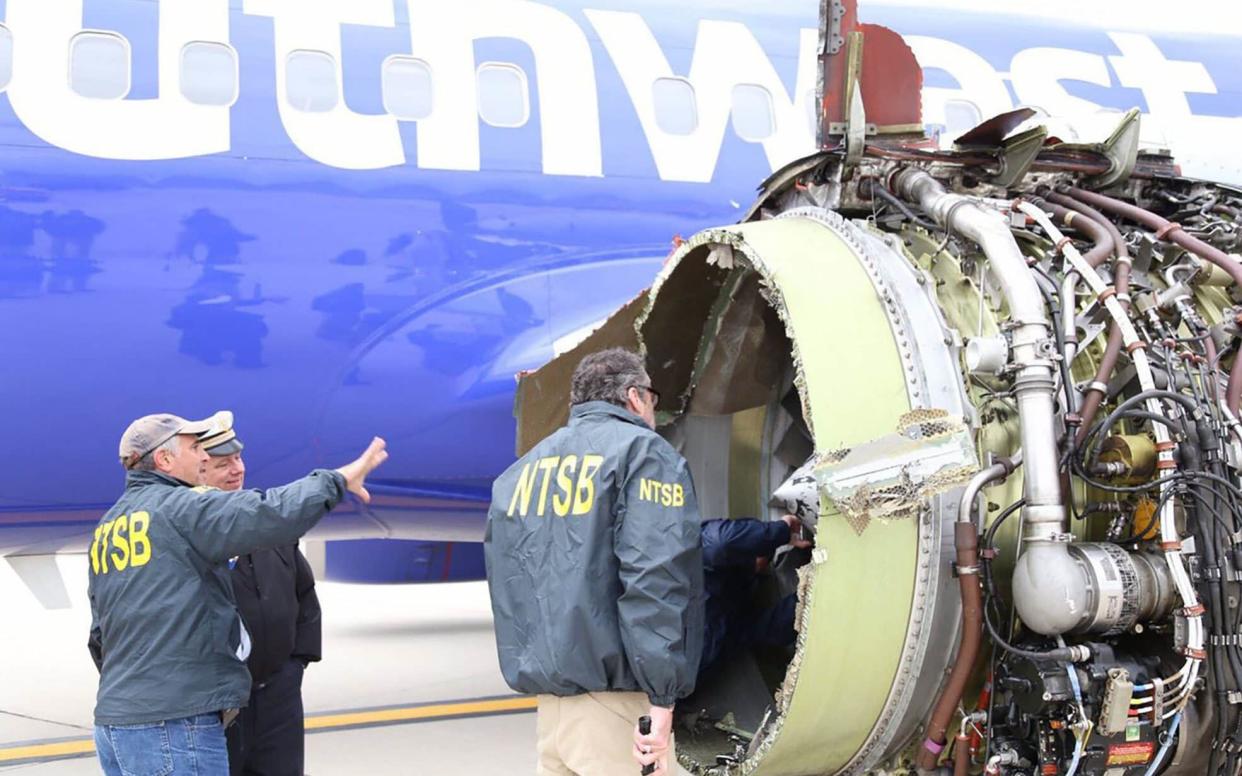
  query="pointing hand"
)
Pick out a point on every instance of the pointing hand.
point(357, 471)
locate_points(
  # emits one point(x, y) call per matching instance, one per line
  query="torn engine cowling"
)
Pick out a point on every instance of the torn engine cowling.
point(1009, 412)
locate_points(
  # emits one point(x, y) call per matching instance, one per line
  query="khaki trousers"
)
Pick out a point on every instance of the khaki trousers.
point(592, 735)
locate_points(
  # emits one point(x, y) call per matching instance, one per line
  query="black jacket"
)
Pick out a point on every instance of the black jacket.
point(593, 561)
point(164, 628)
point(275, 592)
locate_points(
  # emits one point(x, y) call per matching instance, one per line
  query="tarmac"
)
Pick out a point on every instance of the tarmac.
point(409, 684)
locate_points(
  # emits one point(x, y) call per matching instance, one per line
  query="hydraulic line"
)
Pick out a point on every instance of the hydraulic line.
point(961, 754)
point(1094, 393)
point(1171, 542)
point(1102, 248)
point(966, 539)
point(1173, 232)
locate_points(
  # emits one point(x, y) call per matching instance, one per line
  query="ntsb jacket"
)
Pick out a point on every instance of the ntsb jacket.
point(593, 562)
point(164, 629)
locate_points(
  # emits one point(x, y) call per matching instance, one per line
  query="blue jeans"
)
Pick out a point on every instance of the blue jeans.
point(191, 746)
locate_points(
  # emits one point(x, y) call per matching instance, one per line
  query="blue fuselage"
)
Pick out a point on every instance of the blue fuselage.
point(327, 285)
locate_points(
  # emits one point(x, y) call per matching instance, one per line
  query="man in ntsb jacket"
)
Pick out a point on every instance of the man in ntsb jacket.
point(164, 632)
point(275, 593)
point(596, 576)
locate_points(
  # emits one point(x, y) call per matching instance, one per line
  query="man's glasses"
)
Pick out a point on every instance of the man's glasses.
point(655, 395)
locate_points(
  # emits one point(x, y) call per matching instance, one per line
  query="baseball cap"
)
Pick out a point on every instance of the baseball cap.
point(221, 439)
point(150, 431)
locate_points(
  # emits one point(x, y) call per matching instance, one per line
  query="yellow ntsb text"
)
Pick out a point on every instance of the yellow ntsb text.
point(663, 493)
point(575, 485)
point(123, 541)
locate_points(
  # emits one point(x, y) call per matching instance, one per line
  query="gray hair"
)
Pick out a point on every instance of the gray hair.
point(607, 376)
point(147, 462)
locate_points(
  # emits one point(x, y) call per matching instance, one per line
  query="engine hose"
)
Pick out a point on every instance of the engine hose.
point(1172, 232)
point(966, 539)
point(961, 755)
point(1094, 395)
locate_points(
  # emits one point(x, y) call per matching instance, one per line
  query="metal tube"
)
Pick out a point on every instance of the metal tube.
point(1045, 529)
point(1173, 233)
point(1034, 384)
point(997, 471)
point(1121, 280)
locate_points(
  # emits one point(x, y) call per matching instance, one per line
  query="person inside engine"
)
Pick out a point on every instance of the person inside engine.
point(735, 552)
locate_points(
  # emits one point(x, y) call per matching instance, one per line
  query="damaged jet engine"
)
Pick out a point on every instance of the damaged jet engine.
point(1001, 383)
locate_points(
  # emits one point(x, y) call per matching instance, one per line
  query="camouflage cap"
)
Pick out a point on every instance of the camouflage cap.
point(150, 431)
point(221, 439)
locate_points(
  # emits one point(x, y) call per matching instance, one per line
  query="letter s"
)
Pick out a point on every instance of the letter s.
point(120, 542)
point(564, 481)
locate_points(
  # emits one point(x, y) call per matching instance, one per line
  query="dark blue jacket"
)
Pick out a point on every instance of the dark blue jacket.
point(593, 561)
point(730, 548)
point(164, 628)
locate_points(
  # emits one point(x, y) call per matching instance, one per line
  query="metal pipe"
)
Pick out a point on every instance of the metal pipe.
point(1069, 327)
point(997, 471)
point(1173, 232)
point(1032, 582)
point(1094, 393)
point(1034, 387)
point(1034, 384)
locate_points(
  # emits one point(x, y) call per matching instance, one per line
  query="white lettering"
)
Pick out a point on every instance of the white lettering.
point(166, 127)
point(725, 54)
point(339, 137)
point(443, 35)
point(1036, 74)
point(1164, 82)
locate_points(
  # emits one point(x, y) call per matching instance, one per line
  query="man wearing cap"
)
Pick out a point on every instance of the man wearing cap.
point(275, 593)
point(165, 634)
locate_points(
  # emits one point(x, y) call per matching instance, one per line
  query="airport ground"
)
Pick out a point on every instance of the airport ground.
point(409, 684)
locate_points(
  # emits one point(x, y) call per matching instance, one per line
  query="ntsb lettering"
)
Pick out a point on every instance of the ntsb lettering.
point(121, 543)
point(669, 494)
point(575, 486)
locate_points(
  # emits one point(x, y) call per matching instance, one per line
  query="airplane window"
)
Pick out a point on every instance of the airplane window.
point(675, 109)
point(406, 88)
point(311, 81)
point(752, 112)
point(503, 97)
point(6, 57)
point(99, 65)
point(209, 73)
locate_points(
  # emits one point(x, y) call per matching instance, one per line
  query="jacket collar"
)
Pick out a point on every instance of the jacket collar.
point(595, 409)
point(134, 479)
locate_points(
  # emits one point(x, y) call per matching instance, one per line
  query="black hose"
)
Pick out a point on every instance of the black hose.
point(902, 207)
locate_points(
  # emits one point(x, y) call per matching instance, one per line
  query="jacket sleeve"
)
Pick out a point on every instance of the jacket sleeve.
point(223, 524)
point(661, 568)
point(732, 543)
point(308, 636)
point(94, 642)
